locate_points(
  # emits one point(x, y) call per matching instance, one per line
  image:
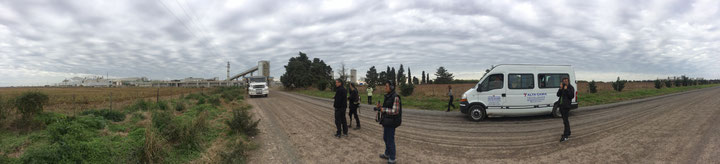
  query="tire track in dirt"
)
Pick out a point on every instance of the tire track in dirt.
point(637, 131)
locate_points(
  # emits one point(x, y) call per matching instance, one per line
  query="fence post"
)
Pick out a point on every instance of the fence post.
point(74, 105)
point(110, 100)
point(157, 98)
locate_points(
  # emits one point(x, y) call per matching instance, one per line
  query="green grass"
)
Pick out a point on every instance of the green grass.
point(100, 136)
point(585, 99)
point(607, 97)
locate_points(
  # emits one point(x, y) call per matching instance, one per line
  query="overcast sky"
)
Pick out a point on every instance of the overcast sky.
point(44, 42)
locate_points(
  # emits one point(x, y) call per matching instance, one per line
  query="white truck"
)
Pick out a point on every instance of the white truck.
point(258, 86)
point(517, 90)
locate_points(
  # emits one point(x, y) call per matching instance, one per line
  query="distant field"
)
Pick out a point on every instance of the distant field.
point(67, 98)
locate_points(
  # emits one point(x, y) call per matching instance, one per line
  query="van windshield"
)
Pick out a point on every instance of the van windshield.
point(494, 81)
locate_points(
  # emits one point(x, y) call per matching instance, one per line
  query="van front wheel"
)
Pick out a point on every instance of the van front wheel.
point(477, 113)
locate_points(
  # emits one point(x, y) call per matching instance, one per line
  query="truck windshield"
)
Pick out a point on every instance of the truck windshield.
point(257, 79)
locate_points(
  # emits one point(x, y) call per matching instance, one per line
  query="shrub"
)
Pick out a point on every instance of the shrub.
point(108, 114)
point(4, 111)
point(238, 152)
point(201, 101)
point(179, 105)
point(230, 93)
point(618, 85)
point(658, 83)
point(668, 83)
point(153, 148)
point(321, 85)
point(162, 105)
point(138, 105)
point(48, 118)
point(189, 137)
point(214, 100)
point(406, 89)
point(592, 86)
point(242, 122)
point(164, 123)
point(31, 103)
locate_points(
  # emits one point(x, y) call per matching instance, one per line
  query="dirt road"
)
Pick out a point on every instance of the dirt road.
point(682, 128)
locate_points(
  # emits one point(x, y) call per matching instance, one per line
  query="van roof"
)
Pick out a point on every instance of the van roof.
point(530, 65)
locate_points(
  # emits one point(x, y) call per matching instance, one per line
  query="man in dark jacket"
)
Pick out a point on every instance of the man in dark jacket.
point(391, 111)
point(566, 94)
point(340, 105)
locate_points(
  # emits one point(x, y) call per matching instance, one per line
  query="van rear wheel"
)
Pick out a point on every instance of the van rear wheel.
point(477, 113)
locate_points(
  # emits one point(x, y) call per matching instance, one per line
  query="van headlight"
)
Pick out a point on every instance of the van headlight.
point(464, 97)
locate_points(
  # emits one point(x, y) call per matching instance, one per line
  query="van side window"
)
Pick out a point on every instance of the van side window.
point(550, 80)
point(492, 82)
point(521, 81)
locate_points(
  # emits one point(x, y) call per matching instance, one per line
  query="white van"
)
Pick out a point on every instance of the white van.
point(517, 90)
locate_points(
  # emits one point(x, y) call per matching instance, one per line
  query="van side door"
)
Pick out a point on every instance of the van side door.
point(521, 92)
point(492, 91)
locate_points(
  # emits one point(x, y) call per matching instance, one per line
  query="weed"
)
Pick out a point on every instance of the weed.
point(153, 149)
point(242, 122)
point(108, 114)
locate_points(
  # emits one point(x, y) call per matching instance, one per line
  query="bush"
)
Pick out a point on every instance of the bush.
point(108, 114)
point(658, 84)
point(153, 148)
point(4, 111)
point(668, 83)
point(31, 103)
point(230, 93)
point(184, 133)
point(406, 89)
point(618, 85)
point(138, 105)
point(214, 100)
point(242, 122)
point(201, 101)
point(162, 105)
point(592, 86)
point(179, 105)
point(164, 123)
point(238, 152)
point(321, 85)
point(48, 118)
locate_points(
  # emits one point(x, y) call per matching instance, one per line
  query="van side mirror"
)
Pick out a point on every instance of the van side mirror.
point(479, 89)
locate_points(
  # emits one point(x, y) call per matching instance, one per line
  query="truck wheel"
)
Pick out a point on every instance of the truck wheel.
point(556, 112)
point(477, 113)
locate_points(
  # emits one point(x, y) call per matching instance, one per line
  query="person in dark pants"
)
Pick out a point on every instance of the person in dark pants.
point(391, 111)
point(566, 94)
point(354, 105)
point(450, 94)
point(340, 104)
point(369, 90)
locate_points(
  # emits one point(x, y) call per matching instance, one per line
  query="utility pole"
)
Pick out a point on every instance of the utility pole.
point(228, 71)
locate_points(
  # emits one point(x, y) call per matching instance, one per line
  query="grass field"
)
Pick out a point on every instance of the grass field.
point(204, 127)
point(434, 96)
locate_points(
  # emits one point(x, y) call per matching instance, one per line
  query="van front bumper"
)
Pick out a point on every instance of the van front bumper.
point(464, 106)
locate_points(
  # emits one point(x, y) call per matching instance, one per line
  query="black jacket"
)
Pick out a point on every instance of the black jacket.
point(566, 96)
point(392, 120)
point(340, 98)
point(354, 98)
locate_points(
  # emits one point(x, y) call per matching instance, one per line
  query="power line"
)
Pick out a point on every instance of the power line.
point(185, 25)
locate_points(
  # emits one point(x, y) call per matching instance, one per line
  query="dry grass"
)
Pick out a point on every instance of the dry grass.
point(83, 98)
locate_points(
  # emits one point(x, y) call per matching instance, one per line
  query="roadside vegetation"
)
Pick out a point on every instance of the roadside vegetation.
point(179, 130)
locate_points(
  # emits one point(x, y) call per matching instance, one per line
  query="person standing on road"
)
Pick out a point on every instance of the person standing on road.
point(450, 94)
point(340, 104)
point(354, 105)
point(566, 94)
point(391, 111)
point(369, 94)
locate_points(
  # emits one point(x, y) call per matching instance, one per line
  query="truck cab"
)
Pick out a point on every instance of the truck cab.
point(517, 90)
point(258, 86)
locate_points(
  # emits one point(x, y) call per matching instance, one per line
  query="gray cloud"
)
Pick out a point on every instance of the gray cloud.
point(44, 42)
